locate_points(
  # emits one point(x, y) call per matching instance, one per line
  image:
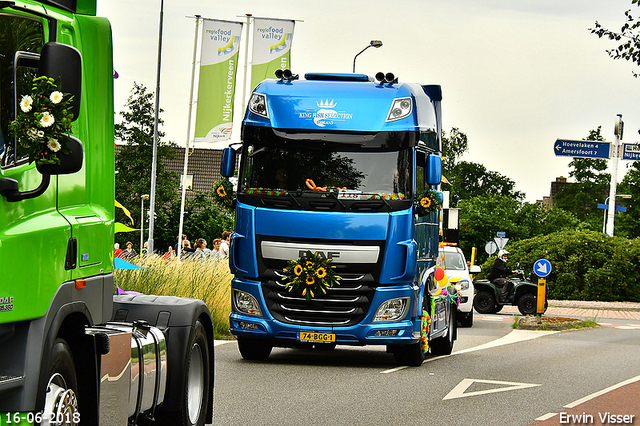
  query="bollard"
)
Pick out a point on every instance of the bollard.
point(541, 295)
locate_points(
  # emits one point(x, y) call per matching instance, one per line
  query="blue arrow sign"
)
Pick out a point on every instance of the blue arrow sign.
point(630, 151)
point(583, 149)
point(542, 268)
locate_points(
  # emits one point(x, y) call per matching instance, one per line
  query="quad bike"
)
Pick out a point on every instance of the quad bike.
point(524, 294)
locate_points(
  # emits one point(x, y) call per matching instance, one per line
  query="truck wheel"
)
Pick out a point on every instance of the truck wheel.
point(193, 409)
point(444, 345)
point(254, 349)
point(62, 386)
point(484, 302)
point(198, 376)
point(411, 355)
point(466, 320)
point(527, 304)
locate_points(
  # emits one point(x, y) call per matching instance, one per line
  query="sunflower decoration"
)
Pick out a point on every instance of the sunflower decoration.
point(43, 121)
point(223, 191)
point(310, 276)
point(429, 201)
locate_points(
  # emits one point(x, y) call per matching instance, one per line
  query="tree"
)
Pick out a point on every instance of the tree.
point(467, 179)
point(591, 187)
point(133, 165)
point(482, 217)
point(473, 179)
point(628, 223)
point(204, 216)
point(453, 147)
point(629, 33)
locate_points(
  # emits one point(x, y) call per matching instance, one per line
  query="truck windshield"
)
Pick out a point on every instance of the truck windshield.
point(346, 167)
point(454, 261)
point(21, 39)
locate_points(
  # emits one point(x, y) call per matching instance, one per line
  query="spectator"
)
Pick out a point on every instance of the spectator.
point(215, 252)
point(117, 251)
point(206, 250)
point(178, 246)
point(130, 252)
point(224, 245)
point(199, 251)
point(169, 254)
point(187, 251)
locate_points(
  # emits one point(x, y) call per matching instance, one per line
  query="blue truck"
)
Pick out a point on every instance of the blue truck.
point(335, 166)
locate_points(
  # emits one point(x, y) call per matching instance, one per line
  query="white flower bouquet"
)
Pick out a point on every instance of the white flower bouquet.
point(43, 120)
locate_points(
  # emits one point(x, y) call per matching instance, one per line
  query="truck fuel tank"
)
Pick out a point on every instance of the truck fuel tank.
point(133, 372)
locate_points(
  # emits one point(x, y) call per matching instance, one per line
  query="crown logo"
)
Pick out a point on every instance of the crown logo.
point(326, 104)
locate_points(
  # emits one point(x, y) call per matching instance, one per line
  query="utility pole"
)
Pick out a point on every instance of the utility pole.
point(614, 174)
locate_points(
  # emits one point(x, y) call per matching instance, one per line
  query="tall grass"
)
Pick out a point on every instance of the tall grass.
point(209, 281)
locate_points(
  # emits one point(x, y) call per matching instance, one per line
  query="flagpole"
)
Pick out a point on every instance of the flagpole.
point(186, 149)
point(154, 155)
point(246, 64)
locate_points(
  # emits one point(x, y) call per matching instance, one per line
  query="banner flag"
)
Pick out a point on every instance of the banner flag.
point(217, 82)
point(271, 48)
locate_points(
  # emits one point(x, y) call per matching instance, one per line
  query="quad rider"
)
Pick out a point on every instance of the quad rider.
point(499, 273)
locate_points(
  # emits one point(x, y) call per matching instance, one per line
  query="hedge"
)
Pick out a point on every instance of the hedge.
point(586, 265)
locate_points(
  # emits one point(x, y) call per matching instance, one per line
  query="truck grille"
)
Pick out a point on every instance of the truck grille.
point(342, 306)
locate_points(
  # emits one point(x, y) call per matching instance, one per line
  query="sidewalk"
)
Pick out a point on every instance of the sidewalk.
point(584, 309)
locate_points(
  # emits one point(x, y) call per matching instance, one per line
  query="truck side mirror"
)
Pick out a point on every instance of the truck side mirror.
point(62, 61)
point(434, 169)
point(228, 162)
point(69, 163)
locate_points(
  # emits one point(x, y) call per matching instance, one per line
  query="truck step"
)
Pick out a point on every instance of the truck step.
point(9, 382)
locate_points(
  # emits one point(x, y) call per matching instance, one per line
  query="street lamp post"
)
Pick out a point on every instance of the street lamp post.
point(142, 198)
point(612, 206)
point(374, 43)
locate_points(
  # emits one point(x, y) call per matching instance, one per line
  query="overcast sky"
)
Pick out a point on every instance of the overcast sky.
point(516, 74)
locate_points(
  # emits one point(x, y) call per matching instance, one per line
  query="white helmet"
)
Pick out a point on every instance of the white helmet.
point(502, 253)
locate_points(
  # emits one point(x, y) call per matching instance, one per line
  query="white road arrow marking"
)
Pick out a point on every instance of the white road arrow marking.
point(459, 391)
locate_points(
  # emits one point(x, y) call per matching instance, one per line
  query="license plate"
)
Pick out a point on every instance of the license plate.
point(306, 336)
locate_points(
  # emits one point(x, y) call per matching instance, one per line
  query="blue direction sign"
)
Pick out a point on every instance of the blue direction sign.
point(631, 151)
point(606, 207)
point(584, 149)
point(542, 268)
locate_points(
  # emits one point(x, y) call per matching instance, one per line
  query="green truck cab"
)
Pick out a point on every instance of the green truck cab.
point(68, 344)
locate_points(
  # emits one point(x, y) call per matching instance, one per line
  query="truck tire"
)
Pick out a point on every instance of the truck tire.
point(196, 391)
point(62, 387)
point(198, 376)
point(444, 345)
point(412, 355)
point(466, 320)
point(528, 304)
point(254, 349)
point(484, 302)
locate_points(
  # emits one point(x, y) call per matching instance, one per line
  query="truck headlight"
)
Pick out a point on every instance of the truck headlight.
point(392, 310)
point(462, 285)
point(400, 108)
point(246, 303)
point(258, 105)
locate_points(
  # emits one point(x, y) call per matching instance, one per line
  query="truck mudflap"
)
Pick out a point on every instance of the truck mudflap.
point(187, 324)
